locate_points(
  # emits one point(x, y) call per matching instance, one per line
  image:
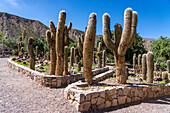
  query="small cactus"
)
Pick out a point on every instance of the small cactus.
point(31, 53)
point(88, 48)
point(21, 53)
point(134, 61)
point(36, 52)
point(139, 59)
point(60, 44)
point(104, 58)
point(99, 55)
point(168, 66)
point(144, 66)
point(150, 66)
point(66, 60)
point(155, 67)
point(72, 56)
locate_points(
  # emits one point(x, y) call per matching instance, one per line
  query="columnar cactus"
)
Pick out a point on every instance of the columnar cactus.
point(155, 67)
point(139, 60)
point(60, 44)
point(31, 53)
point(134, 61)
point(48, 56)
point(21, 53)
point(20, 44)
point(144, 67)
point(150, 66)
point(66, 37)
point(75, 54)
point(99, 55)
point(24, 33)
point(80, 45)
point(122, 40)
point(88, 48)
point(79, 66)
point(168, 66)
point(72, 56)
point(104, 58)
point(66, 60)
point(36, 52)
point(94, 57)
point(51, 40)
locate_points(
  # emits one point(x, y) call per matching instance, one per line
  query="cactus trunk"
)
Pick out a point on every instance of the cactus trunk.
point(168, 66)
point(31, 53)
point(65, 60)
point(72, 56)
point(104, 58)
point(88, 48)
point(144, 67)
point(99, 55)
point(150, 66)
point(134, 61)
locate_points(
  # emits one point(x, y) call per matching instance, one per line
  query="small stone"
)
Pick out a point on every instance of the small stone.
point(114, 102)
point(129, 100)
point(95, 94)
point(137, 98)
point(108, 97)
point(84, 106)
point(94, 107)
point(79, 97)
point(122, 100)
point(150, 94)
point(112, 91)
point(93, 100)
point(107, 104)
point(88, 97)
point(102, 94)
point(101, 106)
point(100, 100)
point(136, 93)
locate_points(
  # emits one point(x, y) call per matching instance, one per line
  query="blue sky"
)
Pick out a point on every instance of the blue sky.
point(153, 15)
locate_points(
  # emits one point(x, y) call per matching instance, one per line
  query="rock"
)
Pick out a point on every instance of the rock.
point(95, 94)
point(100, 100)
point(122, 100)
point(150, 94)
point(112, 91)
point(93, 100)
point(80, 98)
point(114, 102)
point(107, 104)
point(84, 106)
point(102, 94)
point(88, 97)
point(101, 106)
point(129, 100)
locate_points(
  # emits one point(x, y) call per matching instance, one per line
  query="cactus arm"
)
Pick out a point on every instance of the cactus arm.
point(53, 30)
point(48, 37)
point(133, 27)
point(69, 26)
point(117, 34)
point(106, 32)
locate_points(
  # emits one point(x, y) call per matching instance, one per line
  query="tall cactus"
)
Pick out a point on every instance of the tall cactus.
point(134, 61)
point(51, 40)
point(104, 58)
point(122, 40)
point(139, 60)
point(36, 52)
point(66, 37)
point(155, 67)
point(88, 48)
point(99, 55)
point(94, 57)
point(20, 45)
point(80, 45)
point(75, 55)
point(72, 56)
point(60, 44)
point(168, 66)
point(144, 66)
point(150, 66)
point(66, 60)
point(31, 53)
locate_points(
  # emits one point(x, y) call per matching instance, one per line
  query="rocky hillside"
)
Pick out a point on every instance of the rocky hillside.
point(12, 26)
point(147, 43)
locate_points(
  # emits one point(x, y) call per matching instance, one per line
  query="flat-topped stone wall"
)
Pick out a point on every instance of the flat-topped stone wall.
point(85, 99)
point(50, 80)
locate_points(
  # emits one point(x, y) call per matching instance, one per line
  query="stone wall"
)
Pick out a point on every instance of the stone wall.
point(50, 80)
point(85, 100)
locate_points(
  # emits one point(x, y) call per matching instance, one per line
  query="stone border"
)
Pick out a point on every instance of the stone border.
point(50, 80)
point(87, 100)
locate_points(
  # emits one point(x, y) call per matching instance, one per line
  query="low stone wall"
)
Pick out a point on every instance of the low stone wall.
point(50, 80)
point(85, 100)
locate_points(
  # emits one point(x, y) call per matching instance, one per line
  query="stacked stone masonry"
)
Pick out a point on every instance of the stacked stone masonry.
point(85, 100)
point(50, 80)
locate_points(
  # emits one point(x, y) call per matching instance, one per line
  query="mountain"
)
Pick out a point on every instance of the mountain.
point(12, 26)
point(147, 43)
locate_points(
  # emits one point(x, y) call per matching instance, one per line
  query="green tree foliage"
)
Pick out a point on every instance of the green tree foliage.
point(161, 47)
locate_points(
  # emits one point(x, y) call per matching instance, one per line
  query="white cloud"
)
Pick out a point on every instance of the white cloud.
point(12, 2)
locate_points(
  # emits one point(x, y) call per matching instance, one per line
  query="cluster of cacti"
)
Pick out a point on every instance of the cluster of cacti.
point(165, 77)
point(72, 56)
point(80, 45)
point(51, 40)
point(122, 40)
point(66, 49)
point(104, 58)
point(36, 52)
point(144, 67)
point(139, 60)
point(66, 36)
point(99, 55)
point(88, 48)
point(31, 53)
point(150, 66)
point(134, 61)
point(20, 45)
point(168, 66)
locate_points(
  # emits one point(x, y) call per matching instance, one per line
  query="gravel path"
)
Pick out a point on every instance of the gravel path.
point(20, 94)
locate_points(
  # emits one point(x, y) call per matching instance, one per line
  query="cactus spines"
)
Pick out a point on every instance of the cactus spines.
point(66, 37)
point(66, 60)
point(99, 55)
point(60, 44)
point(88, 48)
point(134, 61)
point(139, 59)
point(72, 56)
point(122, 40)
point(31, 53)
point(144, 67)
point(150, 66)
point(104, 58)
point(51, 40)
point(36, 52)
point(168, 66)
